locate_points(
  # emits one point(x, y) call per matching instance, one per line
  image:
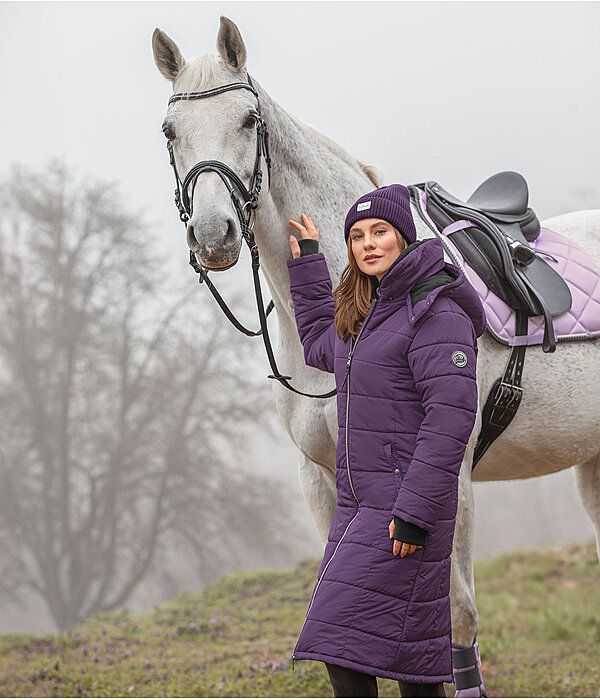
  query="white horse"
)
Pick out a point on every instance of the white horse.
point(557, 424)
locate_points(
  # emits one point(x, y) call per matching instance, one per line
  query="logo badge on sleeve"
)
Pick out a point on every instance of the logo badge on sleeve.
point(459, 358)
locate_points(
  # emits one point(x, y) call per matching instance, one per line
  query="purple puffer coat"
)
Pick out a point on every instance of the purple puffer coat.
point(407, 400)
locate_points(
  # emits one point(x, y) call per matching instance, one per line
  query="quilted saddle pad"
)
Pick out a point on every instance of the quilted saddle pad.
point(580, 322)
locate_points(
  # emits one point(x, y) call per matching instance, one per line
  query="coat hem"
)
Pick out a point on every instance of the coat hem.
point(372, 670)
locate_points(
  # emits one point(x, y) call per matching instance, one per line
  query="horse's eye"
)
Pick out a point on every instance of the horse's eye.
point(250, 122)
point(168, 133)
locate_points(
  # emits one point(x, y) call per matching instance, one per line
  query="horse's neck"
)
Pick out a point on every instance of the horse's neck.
point(310, 174)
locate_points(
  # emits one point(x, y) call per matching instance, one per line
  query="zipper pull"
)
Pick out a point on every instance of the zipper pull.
point(293, 657)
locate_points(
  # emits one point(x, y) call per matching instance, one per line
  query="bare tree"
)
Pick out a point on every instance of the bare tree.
point(125, 405)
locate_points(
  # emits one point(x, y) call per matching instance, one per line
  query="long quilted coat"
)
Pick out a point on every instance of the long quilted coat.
point(406, 400)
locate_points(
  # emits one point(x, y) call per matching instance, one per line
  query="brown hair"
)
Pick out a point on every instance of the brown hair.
point(354, 294)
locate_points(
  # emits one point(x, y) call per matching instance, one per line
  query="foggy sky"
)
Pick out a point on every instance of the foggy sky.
point(469, 88)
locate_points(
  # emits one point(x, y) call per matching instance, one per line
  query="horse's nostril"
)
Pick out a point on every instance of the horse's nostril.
point(233, 230)
point(191, 239)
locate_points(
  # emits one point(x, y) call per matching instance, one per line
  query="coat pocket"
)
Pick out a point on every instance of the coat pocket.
point(399, 464)
point(392, 461)
point(387, 451)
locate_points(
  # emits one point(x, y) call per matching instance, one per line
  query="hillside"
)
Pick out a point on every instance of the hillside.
point(539, 636)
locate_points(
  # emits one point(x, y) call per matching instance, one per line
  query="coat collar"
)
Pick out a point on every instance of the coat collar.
point(422, 259)
point(419, 259)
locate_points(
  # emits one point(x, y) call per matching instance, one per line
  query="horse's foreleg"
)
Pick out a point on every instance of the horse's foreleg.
point(318, 487)
point(587, 479)
point(465, 650)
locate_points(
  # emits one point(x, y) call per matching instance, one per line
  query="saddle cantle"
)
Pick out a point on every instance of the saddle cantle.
point(505, 196)
point(497, 239)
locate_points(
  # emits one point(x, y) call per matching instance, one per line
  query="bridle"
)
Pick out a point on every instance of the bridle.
point(184, 203)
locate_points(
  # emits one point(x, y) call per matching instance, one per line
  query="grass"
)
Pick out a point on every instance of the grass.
point(539, 636)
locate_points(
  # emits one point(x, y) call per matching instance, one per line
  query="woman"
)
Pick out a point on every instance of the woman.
point(400, 333)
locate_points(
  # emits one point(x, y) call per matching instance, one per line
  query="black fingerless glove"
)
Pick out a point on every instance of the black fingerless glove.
point(408, 532)
point(308, 246)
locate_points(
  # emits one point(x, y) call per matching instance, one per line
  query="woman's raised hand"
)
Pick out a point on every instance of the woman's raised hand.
point(308, 230)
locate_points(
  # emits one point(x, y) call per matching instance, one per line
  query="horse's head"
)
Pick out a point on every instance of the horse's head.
point(221, 127)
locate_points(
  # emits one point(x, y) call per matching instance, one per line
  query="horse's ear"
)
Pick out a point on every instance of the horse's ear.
point(230, 44)
point(167, 55)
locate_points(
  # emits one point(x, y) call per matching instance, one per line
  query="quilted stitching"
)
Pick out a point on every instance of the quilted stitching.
point(582, 278)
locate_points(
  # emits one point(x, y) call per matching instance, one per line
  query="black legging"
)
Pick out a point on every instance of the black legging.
point(348, 683)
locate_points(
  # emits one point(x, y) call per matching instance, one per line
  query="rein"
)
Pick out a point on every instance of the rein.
point(184, 203)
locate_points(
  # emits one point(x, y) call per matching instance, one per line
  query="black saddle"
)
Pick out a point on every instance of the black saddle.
point(496, 245)
point(492, 230)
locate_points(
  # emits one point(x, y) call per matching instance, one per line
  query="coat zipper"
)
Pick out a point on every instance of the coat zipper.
point(352, 349)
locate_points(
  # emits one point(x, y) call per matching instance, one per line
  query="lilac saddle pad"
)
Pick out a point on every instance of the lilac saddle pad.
point(580, 322)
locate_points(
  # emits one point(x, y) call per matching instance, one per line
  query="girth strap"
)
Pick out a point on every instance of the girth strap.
point(505, 395)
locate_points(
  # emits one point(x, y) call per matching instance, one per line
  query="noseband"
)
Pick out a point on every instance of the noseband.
point(184, 203)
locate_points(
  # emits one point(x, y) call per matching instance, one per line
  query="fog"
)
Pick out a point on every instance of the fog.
point(452, 92)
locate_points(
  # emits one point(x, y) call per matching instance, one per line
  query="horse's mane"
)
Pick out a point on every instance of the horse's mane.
point(371, 173)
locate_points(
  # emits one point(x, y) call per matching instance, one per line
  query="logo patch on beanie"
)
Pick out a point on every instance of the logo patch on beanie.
point(363, 205)
point(459, 358)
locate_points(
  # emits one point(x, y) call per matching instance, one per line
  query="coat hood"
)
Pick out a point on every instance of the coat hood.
point(416, 263)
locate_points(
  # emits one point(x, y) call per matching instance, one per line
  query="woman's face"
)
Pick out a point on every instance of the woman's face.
point(375, 245)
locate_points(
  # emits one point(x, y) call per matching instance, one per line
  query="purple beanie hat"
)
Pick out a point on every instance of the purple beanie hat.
point(391, 203)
